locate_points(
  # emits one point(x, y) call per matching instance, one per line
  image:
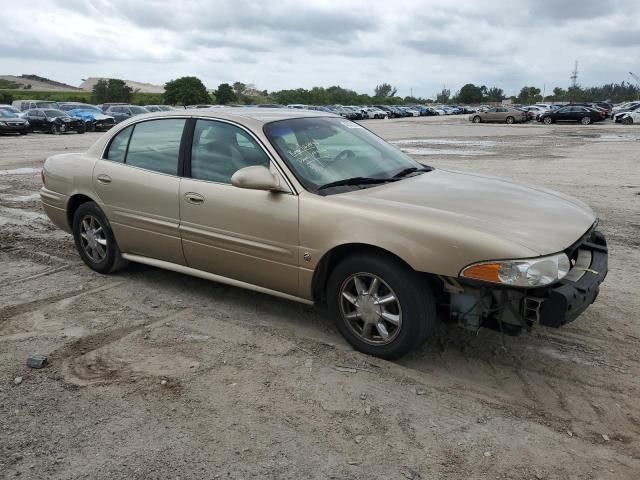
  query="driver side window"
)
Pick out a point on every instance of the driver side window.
point(220, 149)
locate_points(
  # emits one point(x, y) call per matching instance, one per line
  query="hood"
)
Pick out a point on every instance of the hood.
point(541, 220)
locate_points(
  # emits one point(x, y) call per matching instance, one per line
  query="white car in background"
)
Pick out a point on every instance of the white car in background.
point(630, 118)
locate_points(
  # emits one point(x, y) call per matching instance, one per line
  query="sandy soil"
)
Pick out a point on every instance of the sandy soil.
point(157, 375)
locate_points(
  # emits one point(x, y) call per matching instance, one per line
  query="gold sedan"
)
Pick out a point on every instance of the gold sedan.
point(314, 208)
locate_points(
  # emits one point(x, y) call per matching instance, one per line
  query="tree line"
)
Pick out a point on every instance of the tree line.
point(192, 91)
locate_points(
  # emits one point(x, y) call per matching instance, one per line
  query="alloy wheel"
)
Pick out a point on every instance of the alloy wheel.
point(585, 120)
point(93, 239)
point(370, 308)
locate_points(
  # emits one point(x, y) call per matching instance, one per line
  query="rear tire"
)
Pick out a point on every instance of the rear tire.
point(387, 318)
point(585, 120)
point(94, 239)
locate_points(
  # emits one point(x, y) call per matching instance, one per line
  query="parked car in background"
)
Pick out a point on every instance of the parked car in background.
point(310, 207)
point(572, 113)
point(617, 116)
point(623, 107)
point(106, 106)
point(49, 120)
point(123, 112)
point(629, 118)
point(24, 105)
point(390, 111)
point(500, 114)
point(11, 122)
point(10, 108)
point(92, 116)
point(158, 108)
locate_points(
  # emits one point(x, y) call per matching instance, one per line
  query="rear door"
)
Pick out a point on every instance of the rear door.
point(246, 235)
point(138, 183)
point(564, 114)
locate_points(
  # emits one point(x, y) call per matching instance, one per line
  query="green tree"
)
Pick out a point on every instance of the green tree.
point(186, 91)
point(529, 95)
point(444, 96)
point(225, 94)
point(385, 90)
point(470, 93)
point(111, 90)
point(495, 94)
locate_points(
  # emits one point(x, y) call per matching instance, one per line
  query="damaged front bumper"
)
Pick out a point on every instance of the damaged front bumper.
point(510, 310)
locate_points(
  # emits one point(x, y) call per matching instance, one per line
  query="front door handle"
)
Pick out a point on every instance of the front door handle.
point(103, 179)
point(194, 198)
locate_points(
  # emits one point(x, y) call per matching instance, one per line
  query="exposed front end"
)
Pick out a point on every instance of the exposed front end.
point(512, 308)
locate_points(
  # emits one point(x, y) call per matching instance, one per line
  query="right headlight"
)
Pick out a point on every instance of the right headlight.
point(528, 272)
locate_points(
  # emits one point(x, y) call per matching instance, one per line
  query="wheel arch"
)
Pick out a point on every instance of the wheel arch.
point(338, 253)
point(73, 203)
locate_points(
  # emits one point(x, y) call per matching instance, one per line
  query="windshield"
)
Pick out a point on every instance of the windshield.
point(135, 109)
point(321, 151)
point(55, 113)
point(6, 113)
point(46, 105)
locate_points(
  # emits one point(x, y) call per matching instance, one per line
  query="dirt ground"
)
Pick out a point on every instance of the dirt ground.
point(153, 374)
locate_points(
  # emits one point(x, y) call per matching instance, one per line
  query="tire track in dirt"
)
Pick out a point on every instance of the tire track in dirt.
point(11, 311)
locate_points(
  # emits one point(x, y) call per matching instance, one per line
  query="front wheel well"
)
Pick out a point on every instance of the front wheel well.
point(334, 256)
point(74, 202)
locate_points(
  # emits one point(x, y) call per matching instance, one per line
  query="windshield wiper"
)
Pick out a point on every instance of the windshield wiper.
point(406, 171)
point(356, 181)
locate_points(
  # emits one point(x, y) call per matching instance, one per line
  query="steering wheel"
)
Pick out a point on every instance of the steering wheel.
point(341, 156)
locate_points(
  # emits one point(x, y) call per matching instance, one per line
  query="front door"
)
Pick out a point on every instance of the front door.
point(246, 235)
point(138, 184)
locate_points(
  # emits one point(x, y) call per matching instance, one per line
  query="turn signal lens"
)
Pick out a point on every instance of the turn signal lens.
point(486, 272)
point(534, 272)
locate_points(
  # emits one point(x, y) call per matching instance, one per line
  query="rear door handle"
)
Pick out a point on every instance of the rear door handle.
point(103, 179)
point(194, 198)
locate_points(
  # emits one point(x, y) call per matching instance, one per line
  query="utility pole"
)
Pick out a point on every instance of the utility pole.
point(574, 75)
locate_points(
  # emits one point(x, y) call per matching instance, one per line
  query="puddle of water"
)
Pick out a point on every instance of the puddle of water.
point(617, 138)
point(21, 198)
point(20, 171)
point(442, 151)
point(16, 216)
point(445, 141)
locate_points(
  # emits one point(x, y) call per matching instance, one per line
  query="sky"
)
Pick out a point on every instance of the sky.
point(417, 46)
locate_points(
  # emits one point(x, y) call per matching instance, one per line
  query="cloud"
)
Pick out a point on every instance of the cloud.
point(418, 45)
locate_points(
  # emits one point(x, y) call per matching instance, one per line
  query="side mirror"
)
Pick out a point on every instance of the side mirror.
point(258, 177)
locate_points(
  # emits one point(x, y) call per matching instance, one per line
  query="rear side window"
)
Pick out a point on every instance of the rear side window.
point(118, 148)
point(155, 145)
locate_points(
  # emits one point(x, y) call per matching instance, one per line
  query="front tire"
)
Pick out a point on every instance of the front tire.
point(510, 120)
point(381, 306)
point(627, 121)
point(585, 120)
point(547, 120)
point(55, 129)
point(477, 119)
point(94, 239)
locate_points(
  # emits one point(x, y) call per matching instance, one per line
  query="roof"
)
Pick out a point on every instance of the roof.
point(262, 115)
